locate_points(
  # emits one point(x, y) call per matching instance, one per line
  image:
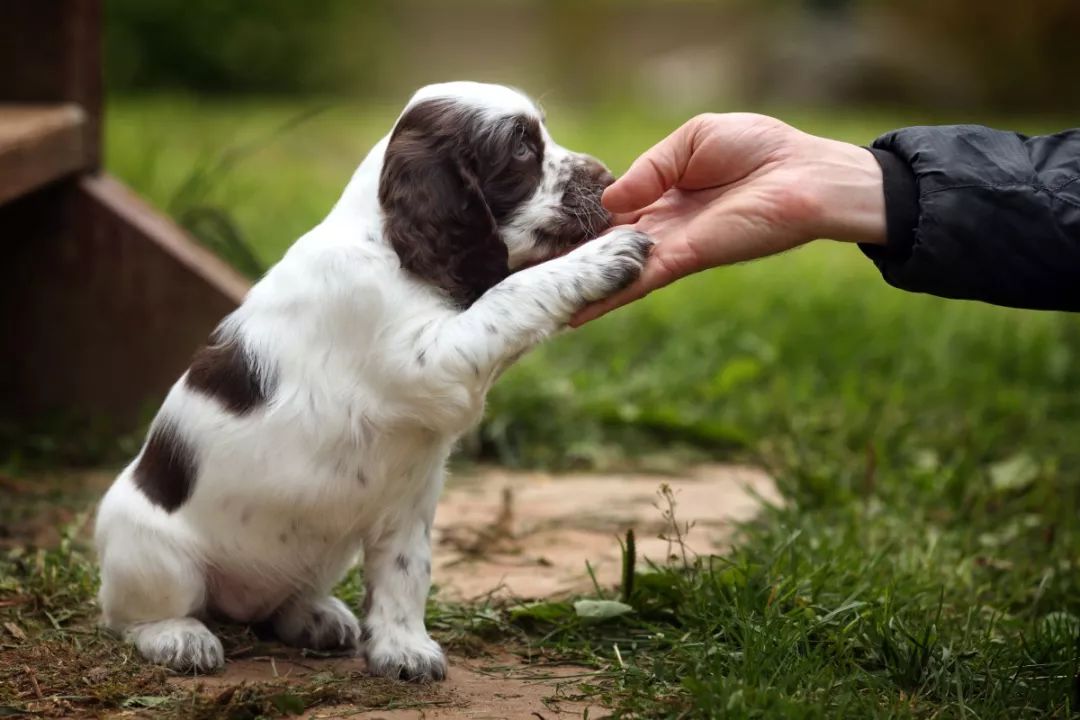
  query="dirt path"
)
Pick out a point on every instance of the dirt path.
point(477, 689)
point(528, 535)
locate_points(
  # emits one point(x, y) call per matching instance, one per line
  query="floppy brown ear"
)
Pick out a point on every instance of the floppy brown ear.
point(435, 215)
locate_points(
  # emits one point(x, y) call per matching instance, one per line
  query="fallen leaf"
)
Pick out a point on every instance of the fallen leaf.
point(1014, 473)
point(15, 630)
point(601, 609)
point(544, 611)
point(146, 701)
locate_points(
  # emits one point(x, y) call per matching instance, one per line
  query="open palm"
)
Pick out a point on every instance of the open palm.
point(727, 188)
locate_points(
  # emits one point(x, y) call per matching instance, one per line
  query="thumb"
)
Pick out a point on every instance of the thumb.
point(654, 173)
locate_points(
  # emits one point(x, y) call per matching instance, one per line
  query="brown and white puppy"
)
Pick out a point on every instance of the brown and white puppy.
point(317, 422)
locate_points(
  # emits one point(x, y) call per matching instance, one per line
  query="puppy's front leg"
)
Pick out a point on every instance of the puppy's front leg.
point(530, 305)
point(397, 577)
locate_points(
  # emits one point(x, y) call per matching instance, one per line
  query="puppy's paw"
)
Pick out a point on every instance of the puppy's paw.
point(615, 260)
point(182, 644)
point(403, 655)
point(322, 624)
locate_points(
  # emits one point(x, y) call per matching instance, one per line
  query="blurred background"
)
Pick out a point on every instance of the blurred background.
point(244, 122)
point(961, 55)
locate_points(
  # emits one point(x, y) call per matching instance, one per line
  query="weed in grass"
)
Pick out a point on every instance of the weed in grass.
point(214, 226)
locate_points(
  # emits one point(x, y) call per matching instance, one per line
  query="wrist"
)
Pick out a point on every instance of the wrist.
point(848, 188)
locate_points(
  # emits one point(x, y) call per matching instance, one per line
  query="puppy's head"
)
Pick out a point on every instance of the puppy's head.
point(473, 187)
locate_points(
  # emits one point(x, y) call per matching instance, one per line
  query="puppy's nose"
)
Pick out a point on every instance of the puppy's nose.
point(596, 172)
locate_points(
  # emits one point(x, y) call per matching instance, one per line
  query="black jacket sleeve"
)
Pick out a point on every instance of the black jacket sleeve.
point(981, 214)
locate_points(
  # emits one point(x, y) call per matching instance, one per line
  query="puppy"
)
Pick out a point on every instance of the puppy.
point(317, 421)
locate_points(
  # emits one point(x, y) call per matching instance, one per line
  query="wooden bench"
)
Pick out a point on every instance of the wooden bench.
point(102, 299)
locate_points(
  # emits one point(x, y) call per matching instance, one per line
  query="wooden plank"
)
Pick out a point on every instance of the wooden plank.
point(85, 75)
point(142, 220)
point(38, 144)
point(102, 303)
point(50, 52)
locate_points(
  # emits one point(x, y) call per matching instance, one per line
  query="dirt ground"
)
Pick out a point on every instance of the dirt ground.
point(528, 535)
point(512, 535)
point(477, 689)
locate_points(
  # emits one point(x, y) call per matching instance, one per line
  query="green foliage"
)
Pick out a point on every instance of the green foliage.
point(213, 225)
point(66, 439)
point(923, 52)
point(273, 46)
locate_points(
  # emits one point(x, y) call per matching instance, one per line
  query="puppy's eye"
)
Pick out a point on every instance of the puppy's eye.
point(523, 150)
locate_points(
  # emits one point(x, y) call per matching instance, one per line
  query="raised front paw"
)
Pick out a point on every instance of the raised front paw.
point(322, 624)
point(615, 261)
point(403, 654)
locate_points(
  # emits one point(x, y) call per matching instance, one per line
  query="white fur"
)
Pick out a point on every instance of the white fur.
point(375, 377)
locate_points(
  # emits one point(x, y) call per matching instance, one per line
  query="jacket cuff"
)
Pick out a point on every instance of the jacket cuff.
point(901, 209)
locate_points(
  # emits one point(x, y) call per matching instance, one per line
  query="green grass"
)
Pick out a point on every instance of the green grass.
point(925, 562)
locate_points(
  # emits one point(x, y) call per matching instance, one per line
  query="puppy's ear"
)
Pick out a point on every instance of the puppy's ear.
point(435, 214)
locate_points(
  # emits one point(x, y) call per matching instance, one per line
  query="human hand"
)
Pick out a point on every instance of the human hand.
point(726, 188)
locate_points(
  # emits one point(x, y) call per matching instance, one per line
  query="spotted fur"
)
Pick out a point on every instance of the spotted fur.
point(318, 421)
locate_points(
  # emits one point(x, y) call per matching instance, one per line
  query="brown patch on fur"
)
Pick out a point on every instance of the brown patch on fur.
point(449, 177)
point(223, 371)
point(166, 469)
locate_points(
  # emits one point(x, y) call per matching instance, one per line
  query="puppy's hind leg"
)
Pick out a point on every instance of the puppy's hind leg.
point(324, 623)
point(149, 591)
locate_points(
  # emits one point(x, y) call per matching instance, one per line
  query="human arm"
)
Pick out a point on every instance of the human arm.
point(982, 214)
point(956, 211)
